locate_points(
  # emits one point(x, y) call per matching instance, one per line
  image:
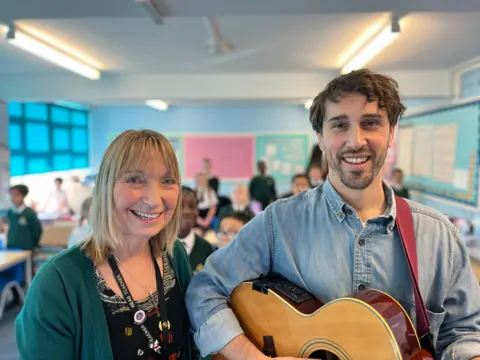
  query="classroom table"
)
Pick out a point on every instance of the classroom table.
point(9, 259)
point(13, 257)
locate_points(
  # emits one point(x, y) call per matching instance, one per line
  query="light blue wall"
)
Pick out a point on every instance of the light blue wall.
point(196, 119)
point(224, 119)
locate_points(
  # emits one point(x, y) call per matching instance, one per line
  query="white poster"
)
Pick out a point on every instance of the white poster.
point(445, 150)
point(422, 163)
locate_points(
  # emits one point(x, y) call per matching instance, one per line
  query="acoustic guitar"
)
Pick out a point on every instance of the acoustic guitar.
point(282, 319)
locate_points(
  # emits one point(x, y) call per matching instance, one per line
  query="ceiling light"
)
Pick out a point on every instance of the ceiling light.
point(308, 104)
point(28, 43)
point(380, 41)
point(157, 104)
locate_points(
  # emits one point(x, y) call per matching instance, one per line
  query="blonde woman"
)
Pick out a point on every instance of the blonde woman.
point(120, 293)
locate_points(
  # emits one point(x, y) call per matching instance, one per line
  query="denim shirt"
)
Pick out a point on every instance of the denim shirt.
point(313, 240)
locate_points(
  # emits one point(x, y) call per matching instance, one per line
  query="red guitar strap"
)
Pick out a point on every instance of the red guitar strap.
point(406, 231)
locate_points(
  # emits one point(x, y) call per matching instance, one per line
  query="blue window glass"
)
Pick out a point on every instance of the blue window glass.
point(36, 111)
point(15, 136)
point(60, 115)
point(80, 162)
point(79, 118)
point(79, 140)
point(17, 165)
point(62, 162)
point(15, 109)
point(37, 137)
point(38, 165)
point(61, 139)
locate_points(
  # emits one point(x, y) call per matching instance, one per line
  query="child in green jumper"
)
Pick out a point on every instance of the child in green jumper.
point(24, 228)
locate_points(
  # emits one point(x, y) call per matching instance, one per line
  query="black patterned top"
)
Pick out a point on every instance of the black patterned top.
point(127, 340)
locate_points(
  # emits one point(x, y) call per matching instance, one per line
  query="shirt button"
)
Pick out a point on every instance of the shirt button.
point(361, 287)
point(361, 242)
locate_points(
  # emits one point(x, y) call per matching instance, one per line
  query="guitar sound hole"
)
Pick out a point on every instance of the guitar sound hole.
point(323, 355)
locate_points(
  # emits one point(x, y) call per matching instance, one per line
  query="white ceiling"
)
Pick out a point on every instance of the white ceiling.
point(262, 43)
point(270, 36)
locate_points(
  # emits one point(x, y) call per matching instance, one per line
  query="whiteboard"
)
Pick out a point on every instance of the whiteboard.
point(423, 145)
point(444, 152)
point(405, 149)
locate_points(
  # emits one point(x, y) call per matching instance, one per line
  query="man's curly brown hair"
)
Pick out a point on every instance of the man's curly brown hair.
point(375, 87)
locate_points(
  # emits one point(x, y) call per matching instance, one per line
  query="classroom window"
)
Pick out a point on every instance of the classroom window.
point(36, 111)
point(15, 137)
point(62, 162)
point(38, 165)
point(47, 137)
point(37, 137)
point(15, 109)
point(61, 139)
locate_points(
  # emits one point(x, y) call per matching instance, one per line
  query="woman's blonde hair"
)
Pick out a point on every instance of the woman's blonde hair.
point(126, 153)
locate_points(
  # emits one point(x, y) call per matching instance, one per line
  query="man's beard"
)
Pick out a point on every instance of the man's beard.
point(356, 179)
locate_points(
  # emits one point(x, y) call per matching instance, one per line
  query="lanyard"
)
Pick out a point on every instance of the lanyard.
point(139, 316)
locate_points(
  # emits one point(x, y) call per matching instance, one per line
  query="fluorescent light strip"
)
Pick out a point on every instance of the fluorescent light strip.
point(157, 104)
point(359, 43)
point(308, 104)
point(46, 52)
point(374, 47)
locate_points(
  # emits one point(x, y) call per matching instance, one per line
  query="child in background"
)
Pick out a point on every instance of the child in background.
point(230, 226)
point(198, 249)
point(24, 228)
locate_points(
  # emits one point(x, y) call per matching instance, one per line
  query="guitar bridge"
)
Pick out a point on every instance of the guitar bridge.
point(290, 291)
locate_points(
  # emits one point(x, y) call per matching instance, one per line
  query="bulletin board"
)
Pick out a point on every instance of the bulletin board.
point(439, 152)
point(284, 154)
point(232, 156)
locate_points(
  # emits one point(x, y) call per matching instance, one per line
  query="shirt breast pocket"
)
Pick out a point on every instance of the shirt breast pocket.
point(435, 316)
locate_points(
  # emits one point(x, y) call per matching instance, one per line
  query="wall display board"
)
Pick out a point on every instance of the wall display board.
point(439, 152)
point(284, 154)
point(232, 156)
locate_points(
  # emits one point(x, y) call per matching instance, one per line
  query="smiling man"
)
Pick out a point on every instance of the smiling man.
point(341, 237)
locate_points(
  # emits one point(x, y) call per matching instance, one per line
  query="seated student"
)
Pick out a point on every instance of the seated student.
point(230, 226)
point(299, 183)
point(240, 203)
point(207, 203)
point(198, 249)
point(24, 228)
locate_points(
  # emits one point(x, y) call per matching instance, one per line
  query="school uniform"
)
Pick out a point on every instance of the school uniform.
point(24, 228)
point(262, 189)
point(198, 250)
point(401, 191)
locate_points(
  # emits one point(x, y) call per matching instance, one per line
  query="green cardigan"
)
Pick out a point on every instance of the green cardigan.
point(63, 317)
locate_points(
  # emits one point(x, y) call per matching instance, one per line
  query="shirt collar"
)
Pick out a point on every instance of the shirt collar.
point(189, 241)
point(341, 208)
point(20, 209)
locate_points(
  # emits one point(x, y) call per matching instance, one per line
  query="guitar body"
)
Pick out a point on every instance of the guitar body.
point(283, 320)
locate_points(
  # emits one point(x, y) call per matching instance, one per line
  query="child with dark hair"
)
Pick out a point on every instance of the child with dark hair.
point(230, 226)
point(299, 183)
point(198, 249)
point(24, 228)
